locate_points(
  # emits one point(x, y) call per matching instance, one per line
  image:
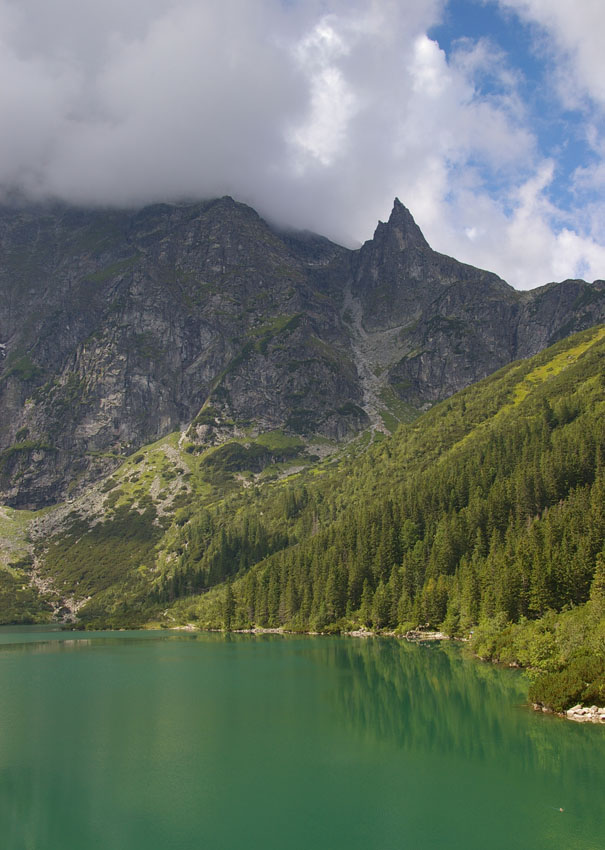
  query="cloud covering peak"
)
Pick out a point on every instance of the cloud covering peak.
point(316, 113)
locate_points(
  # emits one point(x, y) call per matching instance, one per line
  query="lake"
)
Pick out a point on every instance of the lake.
point(132, 740)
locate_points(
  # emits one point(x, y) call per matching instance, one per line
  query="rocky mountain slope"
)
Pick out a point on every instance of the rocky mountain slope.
point(118, 327)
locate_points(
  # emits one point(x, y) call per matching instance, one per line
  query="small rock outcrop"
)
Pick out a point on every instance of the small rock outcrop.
point(584, 714)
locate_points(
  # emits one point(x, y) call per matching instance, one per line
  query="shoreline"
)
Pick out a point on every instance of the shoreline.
point(414, 635)
point(578, 713)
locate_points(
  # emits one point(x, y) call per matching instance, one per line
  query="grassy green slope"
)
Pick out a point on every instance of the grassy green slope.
point(111, 553)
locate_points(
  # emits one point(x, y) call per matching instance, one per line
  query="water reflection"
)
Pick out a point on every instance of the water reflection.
point(46, 647)
point(41, 639)
point(434, 699)
point(142, 740)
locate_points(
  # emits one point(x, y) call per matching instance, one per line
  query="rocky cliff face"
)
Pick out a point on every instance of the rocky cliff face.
point(118, 327)
point(451, 324)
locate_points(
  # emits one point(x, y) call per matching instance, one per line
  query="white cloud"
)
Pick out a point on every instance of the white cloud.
point(575, 28)
point(317, 112)
point(528, 249)
point(322, 135)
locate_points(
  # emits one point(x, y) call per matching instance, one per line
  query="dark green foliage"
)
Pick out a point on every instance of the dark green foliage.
point(565, 651)
point(234, 457)
point(254, 457)
point(229, 606)
point(582, 681)
point(85, 560)
point(19, 602)
point(125, 606)
point(113, 498)
point(207, 553)
point(490, 508)
point(108, 562)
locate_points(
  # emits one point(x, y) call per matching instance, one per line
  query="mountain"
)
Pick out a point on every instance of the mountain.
point(491, 502)
point(484, 515)
point(118, 328)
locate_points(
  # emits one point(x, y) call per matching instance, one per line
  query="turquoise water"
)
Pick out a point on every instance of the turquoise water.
point(131, 740)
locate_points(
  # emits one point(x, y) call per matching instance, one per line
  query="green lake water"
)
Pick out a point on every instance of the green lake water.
point(145, 740)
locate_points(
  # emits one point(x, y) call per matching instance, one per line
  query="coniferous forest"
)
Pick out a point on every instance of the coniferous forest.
point(485, 518)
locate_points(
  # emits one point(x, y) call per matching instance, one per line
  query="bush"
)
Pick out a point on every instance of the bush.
point(582, 681)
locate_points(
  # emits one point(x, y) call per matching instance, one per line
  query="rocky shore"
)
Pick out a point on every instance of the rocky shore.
point(584, 714)
point(579, 713)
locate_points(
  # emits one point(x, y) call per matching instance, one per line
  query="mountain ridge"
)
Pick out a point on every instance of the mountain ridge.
point(119, 327)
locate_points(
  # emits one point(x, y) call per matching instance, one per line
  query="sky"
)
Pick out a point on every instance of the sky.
point(485, 117)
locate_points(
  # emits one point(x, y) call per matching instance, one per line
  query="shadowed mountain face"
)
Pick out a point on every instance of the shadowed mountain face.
point(118, 327)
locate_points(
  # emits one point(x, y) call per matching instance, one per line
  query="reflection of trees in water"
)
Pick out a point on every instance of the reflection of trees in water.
point(53, 644)
point(434, 700)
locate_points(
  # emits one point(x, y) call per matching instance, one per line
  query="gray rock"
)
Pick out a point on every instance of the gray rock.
point(121, 326)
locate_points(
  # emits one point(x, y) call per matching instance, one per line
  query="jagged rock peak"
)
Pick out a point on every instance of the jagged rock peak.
point(402, 227)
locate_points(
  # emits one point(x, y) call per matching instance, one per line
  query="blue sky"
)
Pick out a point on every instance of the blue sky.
point(485, 117)
point(558, 129)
